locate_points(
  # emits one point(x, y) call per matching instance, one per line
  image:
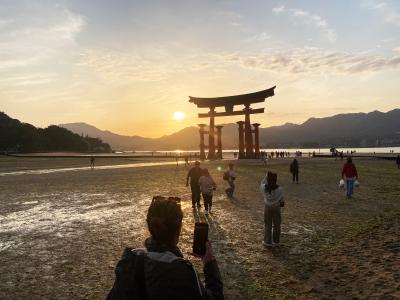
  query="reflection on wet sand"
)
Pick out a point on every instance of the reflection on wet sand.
point(48, 171)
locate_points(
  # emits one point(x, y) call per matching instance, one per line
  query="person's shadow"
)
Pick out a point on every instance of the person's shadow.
point(234, 274)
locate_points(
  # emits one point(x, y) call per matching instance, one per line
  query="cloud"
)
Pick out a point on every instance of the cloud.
point(389, 13)
point(33, 38)
point(127, 67)
point(23, 80)
point(308, 18)
point(5, 22)
point(34, 48)
point(70, 26)
point(260, 37)
point(231, 17)
point(123, 67)
point(278, 9)
point(315, 61)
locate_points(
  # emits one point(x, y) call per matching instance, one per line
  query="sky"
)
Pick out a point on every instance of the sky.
point(128, 66)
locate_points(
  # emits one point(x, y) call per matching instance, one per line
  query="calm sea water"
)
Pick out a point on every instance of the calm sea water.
point(291, 150)
point(358, 150)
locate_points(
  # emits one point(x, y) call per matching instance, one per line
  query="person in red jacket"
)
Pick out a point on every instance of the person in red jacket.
point(349, 174)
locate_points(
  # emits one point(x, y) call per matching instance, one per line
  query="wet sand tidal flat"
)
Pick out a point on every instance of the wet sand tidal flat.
point(62, 233)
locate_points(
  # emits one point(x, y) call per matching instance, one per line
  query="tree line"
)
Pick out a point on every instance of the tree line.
point(16, 136)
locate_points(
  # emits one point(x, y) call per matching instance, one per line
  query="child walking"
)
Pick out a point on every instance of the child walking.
point(230, 176)
point(207, 186)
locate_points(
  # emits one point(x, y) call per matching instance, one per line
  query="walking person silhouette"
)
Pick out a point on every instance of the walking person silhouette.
point(194, 175)
point(92, 159)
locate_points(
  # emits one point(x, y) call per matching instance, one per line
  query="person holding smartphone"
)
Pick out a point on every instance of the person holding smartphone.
point(159, 271)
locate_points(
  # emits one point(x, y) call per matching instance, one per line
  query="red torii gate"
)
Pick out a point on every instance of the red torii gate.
point(245, 128)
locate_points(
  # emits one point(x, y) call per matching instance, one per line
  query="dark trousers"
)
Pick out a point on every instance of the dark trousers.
point(195, 193)
point(295, 176)
point(229, 191)
point(207, 201)
point(272, 223)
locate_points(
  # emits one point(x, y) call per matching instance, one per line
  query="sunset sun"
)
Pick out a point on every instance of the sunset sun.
point(178, 115)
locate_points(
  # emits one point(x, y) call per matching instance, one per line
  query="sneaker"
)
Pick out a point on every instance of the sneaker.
point(267, 245)
point(206, 212)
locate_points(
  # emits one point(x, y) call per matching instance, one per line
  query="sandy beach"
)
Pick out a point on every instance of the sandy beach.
point(61, 233)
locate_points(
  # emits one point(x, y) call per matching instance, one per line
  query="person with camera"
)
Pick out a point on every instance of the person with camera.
point(273, 201)
point(159, 270)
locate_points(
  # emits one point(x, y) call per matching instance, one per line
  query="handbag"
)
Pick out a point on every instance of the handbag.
point(341, 183)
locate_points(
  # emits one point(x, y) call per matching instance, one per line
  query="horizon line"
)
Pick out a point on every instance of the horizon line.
point(283, 124)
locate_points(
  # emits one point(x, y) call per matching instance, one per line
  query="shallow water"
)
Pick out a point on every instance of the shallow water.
point(46, 216)
point(48, 171)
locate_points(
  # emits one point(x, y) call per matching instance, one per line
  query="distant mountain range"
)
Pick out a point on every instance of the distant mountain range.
point(16, 136)
point(344, 130)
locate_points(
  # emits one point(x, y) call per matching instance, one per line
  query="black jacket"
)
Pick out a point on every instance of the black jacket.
point(159, 272)
point(294, 167)
point(194, 174)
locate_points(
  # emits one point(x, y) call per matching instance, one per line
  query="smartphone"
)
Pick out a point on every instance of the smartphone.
point(200, 238)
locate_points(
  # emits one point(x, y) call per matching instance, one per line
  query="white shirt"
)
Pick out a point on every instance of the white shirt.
point(207, 185)
point(273, 199)
point(232, 175)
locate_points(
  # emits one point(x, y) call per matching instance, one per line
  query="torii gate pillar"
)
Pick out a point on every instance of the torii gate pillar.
point(202, 145)
point(248, 133)
point(219, 141)
point(256, 140)
point(241, 139)
point(211, 140)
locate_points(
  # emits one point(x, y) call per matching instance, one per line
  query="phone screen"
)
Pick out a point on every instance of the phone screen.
point(200, 238)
